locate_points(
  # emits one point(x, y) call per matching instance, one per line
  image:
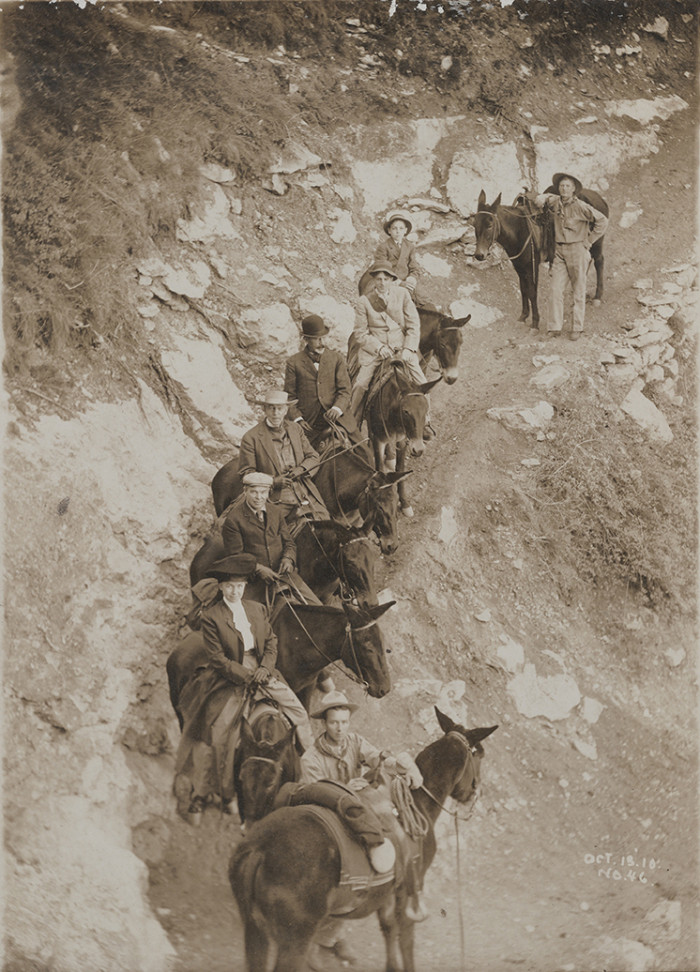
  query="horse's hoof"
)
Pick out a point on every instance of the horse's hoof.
point(407, 511)
point(194, 819)
point(243, 829)
point(596, 302)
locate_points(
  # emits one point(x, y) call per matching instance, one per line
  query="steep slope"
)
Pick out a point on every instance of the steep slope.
point(508, 611)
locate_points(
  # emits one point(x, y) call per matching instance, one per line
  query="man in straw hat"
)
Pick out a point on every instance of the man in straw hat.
point(577, 225)
point(257, 527)
point(241, 650)
point(279, 448)
point(318, 379)
point(387, 326)
point(341, 756)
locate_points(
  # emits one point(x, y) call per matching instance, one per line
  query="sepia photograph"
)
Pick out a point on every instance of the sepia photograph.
point(350, 486)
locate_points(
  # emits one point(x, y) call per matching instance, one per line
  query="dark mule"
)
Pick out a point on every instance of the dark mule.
point(440, 336)
point(285, 873)
point(396, 415)
point(349, 482)
point(328, 554)
point(309, 638)
point(265, 759)
point(226, 486)
point(597, 202)
point(520, 237)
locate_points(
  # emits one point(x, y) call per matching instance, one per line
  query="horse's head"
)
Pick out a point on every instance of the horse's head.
point(414, 411)
point(485, 225)
point(363, 651)
point(357, 557)
point(448, 342)
point(468, 778)
point(265, 764)
point(382, 509)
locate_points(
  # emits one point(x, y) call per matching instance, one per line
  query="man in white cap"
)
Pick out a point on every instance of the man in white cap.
point(257, 527)
point(341, 756)
point(387, 325)
point(279, 448)
point(577, 225)
point(241, 650)
point(317, 378)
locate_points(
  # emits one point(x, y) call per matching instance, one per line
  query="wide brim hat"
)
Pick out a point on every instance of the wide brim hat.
point(333, 700)
point(558, 176)
point(380, 266)
point(235, 567)
point(314, 326)
point(274, 396)
point(257, 479)
point(398, 214)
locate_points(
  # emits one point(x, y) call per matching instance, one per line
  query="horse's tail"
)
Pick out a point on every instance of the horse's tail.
point(242, 874)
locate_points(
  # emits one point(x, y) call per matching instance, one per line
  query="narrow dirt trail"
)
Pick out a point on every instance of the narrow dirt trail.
point(530, 899)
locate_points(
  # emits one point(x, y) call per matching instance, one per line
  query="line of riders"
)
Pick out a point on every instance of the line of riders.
point(318, 410)
point(256, 575)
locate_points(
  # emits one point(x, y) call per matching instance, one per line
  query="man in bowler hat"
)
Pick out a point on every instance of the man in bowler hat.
point(318, 379)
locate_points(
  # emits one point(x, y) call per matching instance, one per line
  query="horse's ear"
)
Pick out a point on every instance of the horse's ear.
point(375, 612)
point(482, 200)
point(444, 721)
point(497, 201)
point(426, 386)
point(460, 322)
point(283, 744)
point(396, 477)
point(476, 735)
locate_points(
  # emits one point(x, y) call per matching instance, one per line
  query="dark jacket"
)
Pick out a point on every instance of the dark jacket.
point(243, 532)
point(224, 644)
point(402, 259)
point(258, 454)
point(317, 391)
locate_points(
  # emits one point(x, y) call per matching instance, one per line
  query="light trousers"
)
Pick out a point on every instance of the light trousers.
point(571, 262)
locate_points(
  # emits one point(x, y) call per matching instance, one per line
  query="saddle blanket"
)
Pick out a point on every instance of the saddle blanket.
point(356, 872)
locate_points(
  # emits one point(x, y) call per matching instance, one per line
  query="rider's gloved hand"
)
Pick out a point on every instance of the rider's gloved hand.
point(385, 351)
point(286, 564)
point(261, 676)
point(265, 572)
point(334, 413)
point(406, 354)
point(407, 767)
point(279, 481)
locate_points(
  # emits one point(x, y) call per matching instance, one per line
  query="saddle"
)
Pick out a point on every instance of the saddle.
point(543, 220)
point(331, 804)
point(387, 368)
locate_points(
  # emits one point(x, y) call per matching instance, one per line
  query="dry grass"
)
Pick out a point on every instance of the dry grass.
point(618, 506)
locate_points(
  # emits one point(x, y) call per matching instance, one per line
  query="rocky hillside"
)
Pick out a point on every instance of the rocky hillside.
point(182, 183)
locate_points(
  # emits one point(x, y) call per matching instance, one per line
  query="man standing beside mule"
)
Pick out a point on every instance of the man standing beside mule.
point(317, 378)
point(577, 225)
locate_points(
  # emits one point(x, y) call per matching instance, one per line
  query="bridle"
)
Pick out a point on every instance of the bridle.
point(496, 232)
point(347, 640)
point(471, 751)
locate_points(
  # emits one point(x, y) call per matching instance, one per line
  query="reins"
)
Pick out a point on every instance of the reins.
point(457, 819)
point(496, 232)
point(348, 638)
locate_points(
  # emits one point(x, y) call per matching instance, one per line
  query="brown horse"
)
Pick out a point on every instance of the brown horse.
point(330, 557)
point(520, 237)
point(309, 637)
point(265, 759)
point(440, 335)
point(348, 483)
point(396, 416)
point(285, 873)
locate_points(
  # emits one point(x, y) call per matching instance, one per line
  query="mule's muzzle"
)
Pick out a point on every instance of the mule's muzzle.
point(479, 256)
point(416, 447)
point(450, 375)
